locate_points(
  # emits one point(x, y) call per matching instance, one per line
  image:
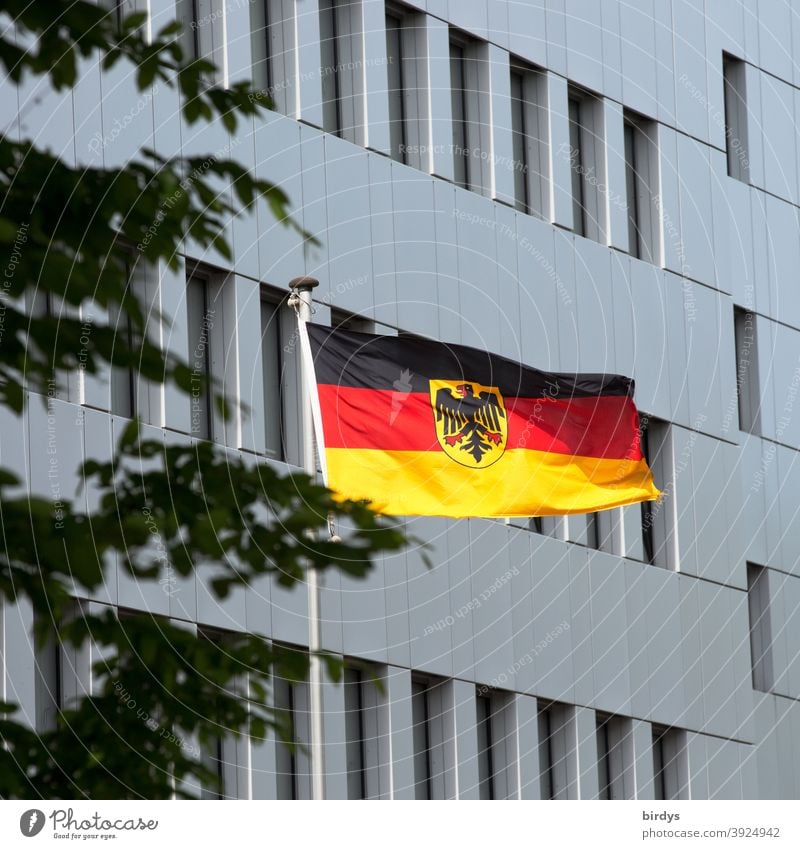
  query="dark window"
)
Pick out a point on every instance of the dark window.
point(747, 383)
point(203, 34)
point(670, 767)
point(758, 608)
point(341, 68)
point(293, 766)
point(420, 718)
point(657, 516)
point(461, 154)
point(272, 38)
point(557, 756)
point(467, 59)
point(189, 15)
point(614, 757)
point(519, 131)
point(641, 181)
point(733, 71)
point(577, 166)
point(486, 766)
point(123, 378)
point(355, 734)
point(261, 44)
point(397, 90)
point(48, 680)
point(546, 754)
point(200, 323)
point(587, 163)
point(529, 133)
point(329, 45)
point(272, 367)
point(631, 193)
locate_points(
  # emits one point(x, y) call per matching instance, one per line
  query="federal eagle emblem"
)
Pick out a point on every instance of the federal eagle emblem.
point(471, 421)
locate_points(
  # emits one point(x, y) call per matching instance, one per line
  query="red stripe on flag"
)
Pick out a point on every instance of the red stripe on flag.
point(605, 426)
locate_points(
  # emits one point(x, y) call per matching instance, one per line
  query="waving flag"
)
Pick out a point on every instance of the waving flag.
point(418, 427)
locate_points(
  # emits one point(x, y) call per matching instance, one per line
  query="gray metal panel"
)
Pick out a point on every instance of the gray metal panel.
point(611, 684)
point(584, 41)
point(637, 34)
point(556, 23)
point(691, 80)
point(491, 600)
point(381, 221)
point(527, 34)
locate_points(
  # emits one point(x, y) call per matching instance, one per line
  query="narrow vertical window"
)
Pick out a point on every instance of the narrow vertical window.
point(586, 154)
point(631, 197)
point(519, 136)
point(420, 718)
point(592, 531)
point(461, 156)
point(120, 9)
point(218, 754)
point(614, 757)
point(363, 725)
point(261, 44)
point(293, 768)
point(203, 34)
point(272, 38)
point(342, 69)
point(758, 608)
point(601, 530)
point(747, 384)
point(188, 15)
point(657, 516)
point(550, 526)
point(397, 95)
point(329, 56)
point(486, 765)
point(733, 72)
point(271, 368)
point(123, 378)
point(433, 750)
point(48, 681)
point(545, 755)
point(200, 321)
point(670, 765)
point(407, 87)
point(576, 166)
point(213, 759)
point(529, 134)
point(469, 111)
point(641, 180)
point(557, 755)
point(354, 734)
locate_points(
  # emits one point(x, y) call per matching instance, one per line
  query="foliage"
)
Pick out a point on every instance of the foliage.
point(71, 232)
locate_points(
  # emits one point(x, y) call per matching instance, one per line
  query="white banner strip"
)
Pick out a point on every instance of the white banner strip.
point(402, 825)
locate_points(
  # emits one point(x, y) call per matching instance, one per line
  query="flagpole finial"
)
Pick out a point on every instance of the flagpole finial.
point(301, 283)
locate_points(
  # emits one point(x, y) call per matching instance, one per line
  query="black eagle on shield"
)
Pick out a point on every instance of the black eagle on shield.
point(471, 420)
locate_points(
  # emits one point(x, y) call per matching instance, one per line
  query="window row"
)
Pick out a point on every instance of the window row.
point(366, 727)
point(530, 105)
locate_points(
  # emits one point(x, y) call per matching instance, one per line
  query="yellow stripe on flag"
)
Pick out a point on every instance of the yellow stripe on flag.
point(525, 482)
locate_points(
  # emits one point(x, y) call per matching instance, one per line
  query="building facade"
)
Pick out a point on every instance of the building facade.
point(579, 185)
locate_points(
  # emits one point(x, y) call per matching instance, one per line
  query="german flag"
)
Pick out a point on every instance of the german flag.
point(423, 428)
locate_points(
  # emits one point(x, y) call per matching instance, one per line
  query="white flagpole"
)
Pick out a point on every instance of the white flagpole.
point(301, 290)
